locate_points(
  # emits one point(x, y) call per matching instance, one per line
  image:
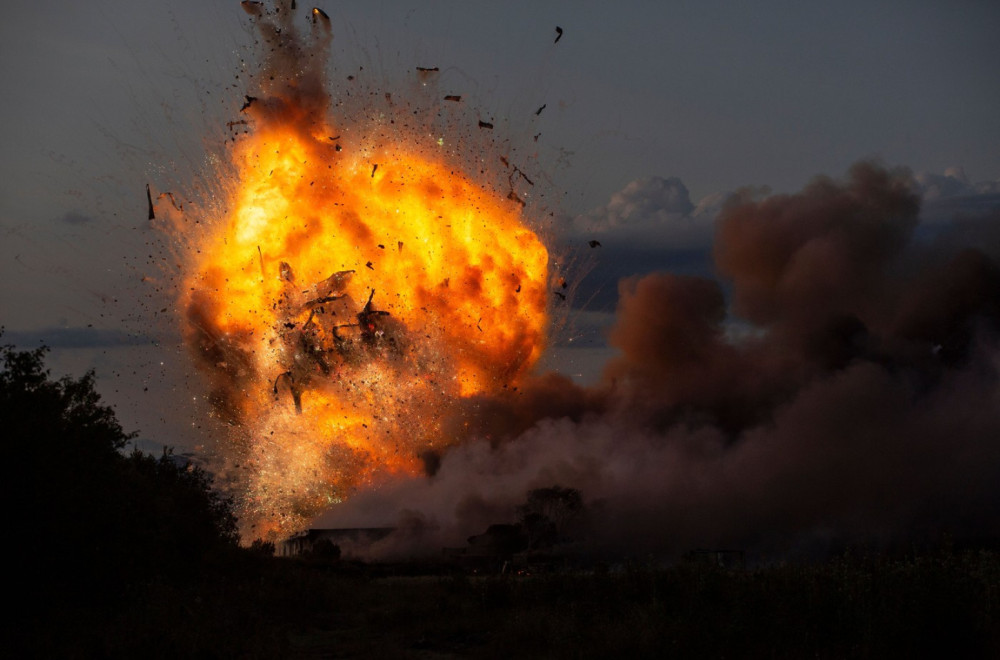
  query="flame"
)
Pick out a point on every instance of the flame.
point(351, 290)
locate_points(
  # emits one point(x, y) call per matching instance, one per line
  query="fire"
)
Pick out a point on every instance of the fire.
point(351, 290)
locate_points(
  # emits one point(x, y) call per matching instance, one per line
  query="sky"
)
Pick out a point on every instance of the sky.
point(656, 112)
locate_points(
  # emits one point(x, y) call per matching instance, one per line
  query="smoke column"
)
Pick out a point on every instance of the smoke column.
point(858, 405)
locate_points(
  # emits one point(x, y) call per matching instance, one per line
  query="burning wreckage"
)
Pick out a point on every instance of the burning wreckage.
point(327, 339)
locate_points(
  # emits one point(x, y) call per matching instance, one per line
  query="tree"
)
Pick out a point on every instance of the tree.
point(90, 522)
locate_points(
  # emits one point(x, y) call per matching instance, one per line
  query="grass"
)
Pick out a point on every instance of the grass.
point(934, 605)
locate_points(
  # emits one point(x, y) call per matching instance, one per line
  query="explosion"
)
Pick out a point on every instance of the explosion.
point(347, 290)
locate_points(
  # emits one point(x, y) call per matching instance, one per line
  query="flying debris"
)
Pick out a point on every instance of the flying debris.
point(558, 34)
point(248, 103)
point(485, 124)
point(296, 391)
point(251, 7)
point(561, 295)
point(369, 266)
point(374, 168)
point(170, 197)
point(367, 320)
point(453, 97)
point(594, 244)
point(316, 11)
point(424, 72)
point(539, 111)
point(149, 199)
point(562, 282)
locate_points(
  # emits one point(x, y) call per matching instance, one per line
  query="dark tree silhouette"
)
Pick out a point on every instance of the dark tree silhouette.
point(91, 524)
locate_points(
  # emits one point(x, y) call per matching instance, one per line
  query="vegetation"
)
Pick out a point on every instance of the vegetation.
point(127, 555)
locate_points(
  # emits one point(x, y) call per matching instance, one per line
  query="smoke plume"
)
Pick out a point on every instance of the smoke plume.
point(837, 383)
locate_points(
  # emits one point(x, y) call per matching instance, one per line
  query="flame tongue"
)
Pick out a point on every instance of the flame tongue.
point(348, 298)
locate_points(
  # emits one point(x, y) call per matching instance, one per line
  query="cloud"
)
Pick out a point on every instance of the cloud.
point(649, 225)
point(953, 183)
point(653, 211)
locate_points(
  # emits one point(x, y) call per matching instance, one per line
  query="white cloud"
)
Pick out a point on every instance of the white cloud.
point(953, 183)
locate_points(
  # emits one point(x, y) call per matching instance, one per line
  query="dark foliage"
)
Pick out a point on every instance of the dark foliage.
point(95, 527)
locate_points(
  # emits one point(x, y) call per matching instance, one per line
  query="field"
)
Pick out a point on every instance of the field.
point(248, 606)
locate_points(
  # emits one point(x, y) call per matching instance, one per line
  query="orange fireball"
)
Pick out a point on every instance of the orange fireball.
point(349, 294)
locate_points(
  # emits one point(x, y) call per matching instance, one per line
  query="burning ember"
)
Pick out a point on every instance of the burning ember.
point(349, 289)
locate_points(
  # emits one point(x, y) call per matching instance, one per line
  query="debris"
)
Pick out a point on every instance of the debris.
point(381, 247)
point(369, 265)
point(309, 304)
point(485, 124)
point(524, 176)
point(296, 390)
point(518, 289)
point(400, 245)
point(149, 199)
point(539, 111)
point(252, 8)
point(374, 167)
point(560, 294)
point(453, 97)
point(513, 196)
point(594, 244)
point(170, 196)
point(562, 282)
point(336, 137)
point(559, 32)
point(248, 103)
point(242, 122)
point(425, 73)
point(316, 11)
point(334, 284)
point(261, 255)
point(286, 273)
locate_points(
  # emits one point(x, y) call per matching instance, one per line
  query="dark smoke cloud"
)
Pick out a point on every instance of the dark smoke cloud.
point(858, 404)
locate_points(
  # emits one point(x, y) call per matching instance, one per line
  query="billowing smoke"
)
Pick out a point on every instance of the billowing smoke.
point(837, 383)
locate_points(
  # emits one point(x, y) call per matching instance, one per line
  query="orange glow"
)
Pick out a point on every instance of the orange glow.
point(371, 286)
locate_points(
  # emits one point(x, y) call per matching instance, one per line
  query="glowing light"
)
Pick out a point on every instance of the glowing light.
point(347, 299)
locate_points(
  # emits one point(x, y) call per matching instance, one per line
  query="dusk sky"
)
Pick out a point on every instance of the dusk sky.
point(655, 112)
